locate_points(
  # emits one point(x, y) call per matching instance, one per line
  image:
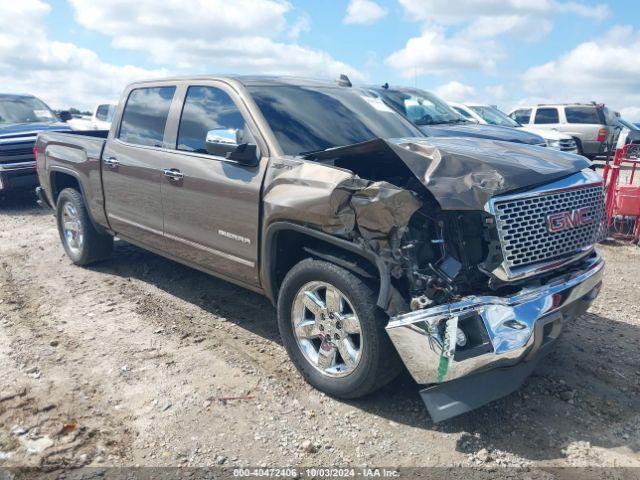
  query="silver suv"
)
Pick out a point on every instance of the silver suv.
point(589, 124)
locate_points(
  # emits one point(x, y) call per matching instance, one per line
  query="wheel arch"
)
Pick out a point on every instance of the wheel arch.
point(61, 178)
point(302, 242)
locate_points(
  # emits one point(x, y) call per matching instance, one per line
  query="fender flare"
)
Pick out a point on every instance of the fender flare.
point(268, 256)
point(67, 171)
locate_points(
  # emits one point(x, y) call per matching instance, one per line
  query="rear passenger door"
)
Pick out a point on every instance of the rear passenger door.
point(212, 209)
point(131, 166)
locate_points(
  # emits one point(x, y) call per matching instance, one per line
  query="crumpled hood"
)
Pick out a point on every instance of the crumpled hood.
point(464, 173)
point(27, 129)
point(493, 132)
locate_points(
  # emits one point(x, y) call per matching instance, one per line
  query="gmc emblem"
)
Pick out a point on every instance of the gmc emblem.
point(557, 222)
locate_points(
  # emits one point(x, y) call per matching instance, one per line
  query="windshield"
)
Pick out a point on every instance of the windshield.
point(422, 108)
point(24, 110)
point(493, 116)
point(628, 125)
point(310, 118)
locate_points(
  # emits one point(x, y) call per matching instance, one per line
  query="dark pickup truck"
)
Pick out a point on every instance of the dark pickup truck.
point(460, 258)
point(22, 117)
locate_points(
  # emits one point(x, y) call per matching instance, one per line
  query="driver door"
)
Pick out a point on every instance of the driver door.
point(211, 203)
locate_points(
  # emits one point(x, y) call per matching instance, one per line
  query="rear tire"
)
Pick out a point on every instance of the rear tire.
point(80, 239)
point(373, 361)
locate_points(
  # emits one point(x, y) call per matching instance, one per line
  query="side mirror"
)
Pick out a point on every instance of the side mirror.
point(64, 116)
point(225, 143)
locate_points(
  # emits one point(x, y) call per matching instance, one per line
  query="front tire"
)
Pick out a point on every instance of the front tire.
point(333, 330)
point(80, 239)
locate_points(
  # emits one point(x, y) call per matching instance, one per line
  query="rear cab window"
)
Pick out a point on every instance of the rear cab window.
point(589, 115)
point(145, 116)
point(547, 115)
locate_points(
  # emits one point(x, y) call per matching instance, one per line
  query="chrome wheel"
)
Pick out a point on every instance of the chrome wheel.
point(327, 329)
point(72, 228)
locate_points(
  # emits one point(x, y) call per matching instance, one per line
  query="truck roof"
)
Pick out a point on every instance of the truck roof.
point(250, 80)
point(15, 95)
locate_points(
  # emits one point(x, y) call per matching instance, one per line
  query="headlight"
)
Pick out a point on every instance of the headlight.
point(553, 144)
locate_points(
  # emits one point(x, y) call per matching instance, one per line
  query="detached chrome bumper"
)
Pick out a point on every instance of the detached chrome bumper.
point(502, 331)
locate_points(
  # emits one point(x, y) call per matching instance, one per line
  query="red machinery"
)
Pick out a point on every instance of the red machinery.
point(622, 189)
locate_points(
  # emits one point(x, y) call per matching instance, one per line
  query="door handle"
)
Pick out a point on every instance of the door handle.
point(173, 174)
point(111, 162)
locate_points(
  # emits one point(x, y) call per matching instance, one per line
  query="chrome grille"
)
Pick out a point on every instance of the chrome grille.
point(522, 225)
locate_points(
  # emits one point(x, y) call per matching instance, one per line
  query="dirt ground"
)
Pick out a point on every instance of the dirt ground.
point(141, 361)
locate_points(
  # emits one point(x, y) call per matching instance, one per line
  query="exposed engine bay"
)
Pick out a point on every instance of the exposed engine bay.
point(416, 205)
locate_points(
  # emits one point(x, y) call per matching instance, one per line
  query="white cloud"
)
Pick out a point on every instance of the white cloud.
point(524, 27)
point(469, 34)
point(455, 91)
point(300, 26)
point(61, 73)
point(434, 53)
point(364, 12)
point(496, 93)
point(211, 35)
point(602, 70)
point(462, 11)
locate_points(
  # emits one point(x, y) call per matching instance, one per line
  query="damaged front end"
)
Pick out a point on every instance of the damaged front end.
point(462, 301)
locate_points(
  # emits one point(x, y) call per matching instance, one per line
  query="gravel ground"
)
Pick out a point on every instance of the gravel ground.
point(141, 361)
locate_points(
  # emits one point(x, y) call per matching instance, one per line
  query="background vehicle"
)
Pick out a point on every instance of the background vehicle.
point(80, 122)
point(436, 118)
point(629, 133)
point(487, 114)
point(103, 116)
point(590, 124)
point(100, 120)
point(364, 233)
point(21, 118)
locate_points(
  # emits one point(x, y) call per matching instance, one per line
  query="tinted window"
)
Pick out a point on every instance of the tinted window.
point(145, 115)
point(310, 118)
point(522, 116)
point(547, 115)
point(206, 109)
point(582, 115)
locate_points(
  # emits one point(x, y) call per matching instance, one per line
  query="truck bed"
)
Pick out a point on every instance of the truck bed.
point(77, 154)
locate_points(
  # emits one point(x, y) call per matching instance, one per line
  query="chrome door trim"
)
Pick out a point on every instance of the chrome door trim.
point(213, 251)
point(111, 216)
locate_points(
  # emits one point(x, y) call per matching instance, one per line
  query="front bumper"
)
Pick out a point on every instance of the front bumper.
point(18, 176)
point(511, 330)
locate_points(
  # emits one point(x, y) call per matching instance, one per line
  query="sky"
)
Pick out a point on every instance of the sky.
point(503, 52)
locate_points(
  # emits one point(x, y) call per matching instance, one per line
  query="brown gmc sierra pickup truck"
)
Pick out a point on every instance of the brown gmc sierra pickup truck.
point(459, 258)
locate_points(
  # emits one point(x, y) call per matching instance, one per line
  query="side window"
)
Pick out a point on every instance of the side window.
point(582, 115)
point(102, 112)
point(522, 116)
point(145, 116)
point(547, 115)
point(211, 123)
